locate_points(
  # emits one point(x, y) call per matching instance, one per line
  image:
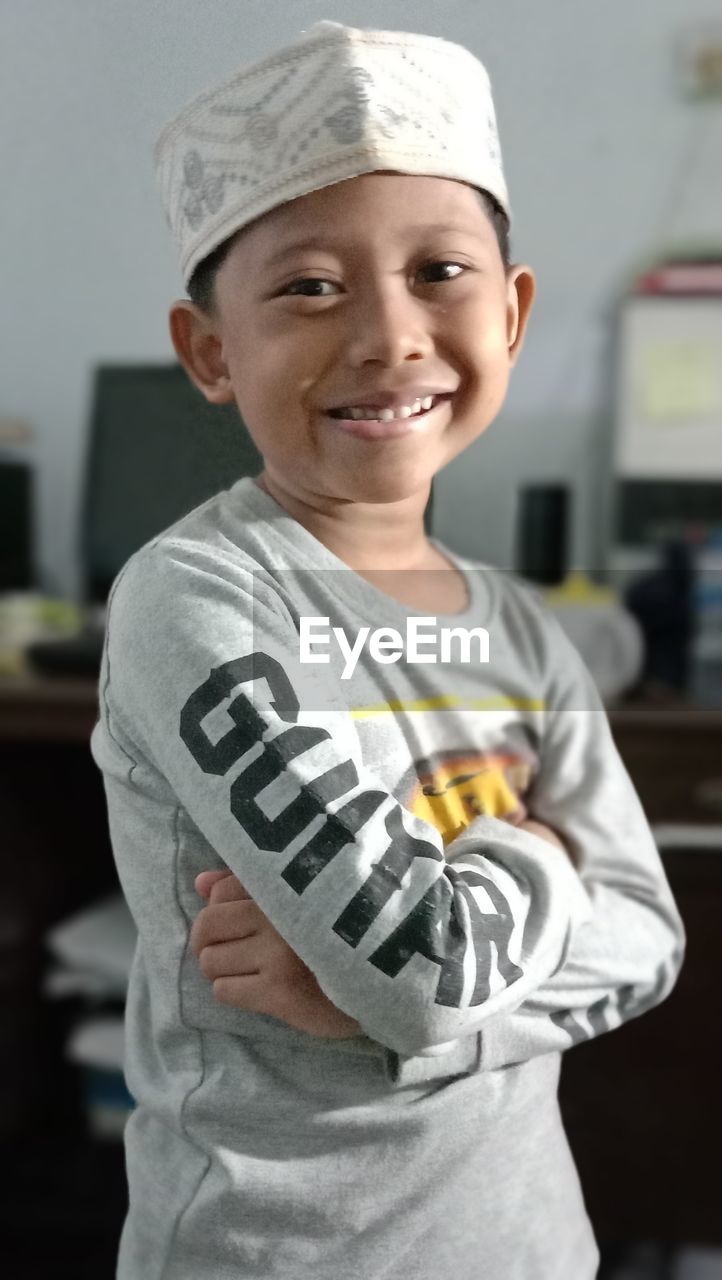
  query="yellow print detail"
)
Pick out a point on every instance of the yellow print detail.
point(467, 785)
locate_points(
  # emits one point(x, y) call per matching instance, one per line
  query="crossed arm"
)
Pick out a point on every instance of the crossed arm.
point(251, 965)
point(596, 943)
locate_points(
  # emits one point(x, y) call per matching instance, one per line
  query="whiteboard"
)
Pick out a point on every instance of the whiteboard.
point(669, 389)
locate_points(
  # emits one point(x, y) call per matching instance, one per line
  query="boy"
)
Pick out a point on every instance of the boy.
point(406, 942)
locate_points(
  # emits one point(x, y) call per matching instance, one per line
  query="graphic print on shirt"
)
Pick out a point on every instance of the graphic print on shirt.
point(454, 787)
point(459, 902)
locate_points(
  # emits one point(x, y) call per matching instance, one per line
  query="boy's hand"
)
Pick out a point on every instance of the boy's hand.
point(545, 833)
point(252, 967)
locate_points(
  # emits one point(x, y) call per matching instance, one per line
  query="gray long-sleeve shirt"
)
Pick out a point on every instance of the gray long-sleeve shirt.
point(370, 813)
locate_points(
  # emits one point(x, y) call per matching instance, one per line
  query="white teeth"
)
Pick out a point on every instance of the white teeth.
point(368, 413)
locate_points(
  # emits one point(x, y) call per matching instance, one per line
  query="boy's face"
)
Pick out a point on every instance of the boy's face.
point(365, 306)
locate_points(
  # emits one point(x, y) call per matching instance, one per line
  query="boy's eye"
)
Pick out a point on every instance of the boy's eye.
point(437, 270)
point(309, 287)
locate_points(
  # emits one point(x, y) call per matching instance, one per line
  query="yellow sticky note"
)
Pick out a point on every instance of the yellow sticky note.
point(679, 381)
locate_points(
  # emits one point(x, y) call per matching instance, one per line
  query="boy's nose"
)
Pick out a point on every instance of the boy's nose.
point(389, 326)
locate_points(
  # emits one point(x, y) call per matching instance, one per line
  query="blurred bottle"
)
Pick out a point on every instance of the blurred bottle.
point(663, 602)
point(706, 676)
point(542, 536)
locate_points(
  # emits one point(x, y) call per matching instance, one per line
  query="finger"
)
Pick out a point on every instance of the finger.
point(253, 994)
point(229, 889)
point(229, 959)
point(206, 880)
point(223, 922)
point(241, 992)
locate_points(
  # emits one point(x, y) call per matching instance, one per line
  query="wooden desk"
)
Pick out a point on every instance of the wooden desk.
point(45, 711)
point(673, 753)
point(674, 757)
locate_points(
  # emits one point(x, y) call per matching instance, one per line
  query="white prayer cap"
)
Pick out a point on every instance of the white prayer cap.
point(337, 102)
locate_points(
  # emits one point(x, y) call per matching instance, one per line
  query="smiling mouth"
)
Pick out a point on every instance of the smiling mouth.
point(385, 424)
point(370, 413)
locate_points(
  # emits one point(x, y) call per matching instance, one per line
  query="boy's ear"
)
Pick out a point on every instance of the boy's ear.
point(200, 350)
point(521, 288)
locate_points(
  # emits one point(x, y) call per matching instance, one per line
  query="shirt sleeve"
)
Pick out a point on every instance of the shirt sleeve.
point(626, 956)
point(201, 678)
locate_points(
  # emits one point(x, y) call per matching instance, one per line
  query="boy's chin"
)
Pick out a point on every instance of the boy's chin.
point(390, 488)
point(370, 485)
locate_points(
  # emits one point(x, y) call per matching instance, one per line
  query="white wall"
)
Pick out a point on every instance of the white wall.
point(606, 163)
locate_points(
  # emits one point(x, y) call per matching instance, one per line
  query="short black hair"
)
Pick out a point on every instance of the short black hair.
point(201, 286)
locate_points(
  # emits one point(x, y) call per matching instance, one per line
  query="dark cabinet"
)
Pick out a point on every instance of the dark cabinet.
point(642, 1105)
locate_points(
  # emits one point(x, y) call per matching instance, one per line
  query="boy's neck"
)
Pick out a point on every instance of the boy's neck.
point(388, 536)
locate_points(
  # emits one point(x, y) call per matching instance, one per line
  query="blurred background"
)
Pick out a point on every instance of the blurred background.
point(601, 482)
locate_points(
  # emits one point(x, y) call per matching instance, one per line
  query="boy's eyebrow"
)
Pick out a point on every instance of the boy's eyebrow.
point(333, 242)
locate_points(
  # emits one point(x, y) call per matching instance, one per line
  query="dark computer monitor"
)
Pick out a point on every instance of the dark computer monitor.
point(156, 449)
point(17, 503)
